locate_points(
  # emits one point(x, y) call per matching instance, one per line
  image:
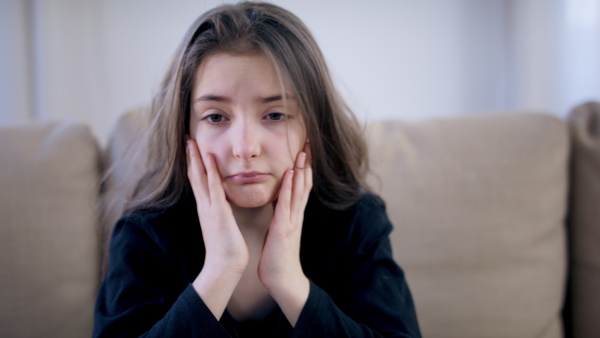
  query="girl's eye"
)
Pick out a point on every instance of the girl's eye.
point(214, 118)
point(275, 116)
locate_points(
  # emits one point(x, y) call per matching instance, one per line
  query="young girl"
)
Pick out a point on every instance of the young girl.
point(253, 218)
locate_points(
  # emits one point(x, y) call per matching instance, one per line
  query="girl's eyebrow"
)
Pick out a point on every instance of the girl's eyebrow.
point(225, 99)
point(211, 97)
point(277, 98)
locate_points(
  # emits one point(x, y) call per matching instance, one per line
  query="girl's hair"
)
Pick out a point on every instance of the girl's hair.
point(336, 141)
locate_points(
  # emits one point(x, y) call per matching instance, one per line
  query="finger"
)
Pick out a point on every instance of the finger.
point(308, 181)
point(285, 196)
point(308, 175)
point(195, 170)
point(215, 187)
point(308, 152)
point(298, 182)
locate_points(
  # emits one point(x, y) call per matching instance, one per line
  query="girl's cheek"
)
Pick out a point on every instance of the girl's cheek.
point(205, 136)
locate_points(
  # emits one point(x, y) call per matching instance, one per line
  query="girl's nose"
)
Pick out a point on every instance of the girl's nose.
point(246, 141)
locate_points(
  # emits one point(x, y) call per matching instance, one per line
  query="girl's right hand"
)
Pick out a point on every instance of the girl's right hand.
point(226, 251)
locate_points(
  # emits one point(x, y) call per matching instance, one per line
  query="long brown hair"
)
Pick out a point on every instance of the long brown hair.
point(337, 144)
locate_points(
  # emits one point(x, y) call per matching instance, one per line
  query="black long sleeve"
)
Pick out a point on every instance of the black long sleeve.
point(356, 289)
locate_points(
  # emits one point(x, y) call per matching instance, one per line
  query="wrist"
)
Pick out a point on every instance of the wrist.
point(291, 296)
point(221, 265)
point(224, 271)
point(215, 287)
point(289, 286)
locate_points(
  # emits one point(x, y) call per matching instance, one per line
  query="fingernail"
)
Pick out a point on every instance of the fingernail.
point(302, 160)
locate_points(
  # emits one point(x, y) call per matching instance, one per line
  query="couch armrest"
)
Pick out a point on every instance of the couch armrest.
point(48, 245)
point(584, 221)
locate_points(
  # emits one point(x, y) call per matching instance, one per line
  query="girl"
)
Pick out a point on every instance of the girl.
point(253, 218)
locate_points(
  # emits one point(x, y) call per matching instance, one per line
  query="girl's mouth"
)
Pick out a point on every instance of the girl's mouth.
point(248, 177)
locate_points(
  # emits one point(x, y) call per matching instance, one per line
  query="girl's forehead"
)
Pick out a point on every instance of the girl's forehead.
point(242, 78)
point(229, 72)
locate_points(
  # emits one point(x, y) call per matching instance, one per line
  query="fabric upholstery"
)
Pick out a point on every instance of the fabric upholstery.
point(478, 205)
point(584, 221)
point(48, 246)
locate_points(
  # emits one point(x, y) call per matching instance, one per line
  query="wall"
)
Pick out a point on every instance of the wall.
point(92, 60)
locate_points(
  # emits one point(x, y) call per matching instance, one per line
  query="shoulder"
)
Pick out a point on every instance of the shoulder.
point(160, 226)
point(367, 202)
point(165, 239)
point(370, 220)
point(337, 243)
point(367, 218)
point(368, 207)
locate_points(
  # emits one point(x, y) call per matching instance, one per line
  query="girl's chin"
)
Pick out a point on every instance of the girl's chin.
point(248, 205)
point(251, 196)
point(250, 201)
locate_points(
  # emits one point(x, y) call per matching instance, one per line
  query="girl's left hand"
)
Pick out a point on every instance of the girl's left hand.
point(279, 268)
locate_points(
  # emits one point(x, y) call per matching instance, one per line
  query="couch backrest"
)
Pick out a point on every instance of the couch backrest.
point(478, 205)
point(48, 241)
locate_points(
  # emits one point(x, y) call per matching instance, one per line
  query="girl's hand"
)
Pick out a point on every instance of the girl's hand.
point(279, 268)
point(226, 251)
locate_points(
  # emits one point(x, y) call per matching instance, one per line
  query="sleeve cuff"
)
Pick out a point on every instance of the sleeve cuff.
point(312, 311)
point(190, 314)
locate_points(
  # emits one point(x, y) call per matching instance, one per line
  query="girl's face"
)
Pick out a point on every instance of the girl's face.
point(240, 116)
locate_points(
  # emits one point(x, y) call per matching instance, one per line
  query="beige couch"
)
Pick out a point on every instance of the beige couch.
point(495, 216)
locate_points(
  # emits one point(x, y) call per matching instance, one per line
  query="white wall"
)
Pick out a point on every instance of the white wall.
point(92, 60)
point(15, 76)
point(581, 51)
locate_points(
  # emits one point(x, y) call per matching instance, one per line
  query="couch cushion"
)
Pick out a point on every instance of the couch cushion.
point(584, 221)
point(478, 205)
point(48, 248)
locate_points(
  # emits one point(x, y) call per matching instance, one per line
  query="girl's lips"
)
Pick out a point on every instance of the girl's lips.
point(248, 177)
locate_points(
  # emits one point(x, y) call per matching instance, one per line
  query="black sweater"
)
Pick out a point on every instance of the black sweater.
point(356, 288)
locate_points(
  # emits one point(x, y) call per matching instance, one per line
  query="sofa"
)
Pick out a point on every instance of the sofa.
point(496, 221)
